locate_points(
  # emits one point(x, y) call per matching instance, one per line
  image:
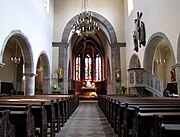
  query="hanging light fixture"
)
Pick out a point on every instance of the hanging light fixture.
point(15, 59)
point(85, 26)
point(160, 61)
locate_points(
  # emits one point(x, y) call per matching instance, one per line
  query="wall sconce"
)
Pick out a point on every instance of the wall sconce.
point(40, 69)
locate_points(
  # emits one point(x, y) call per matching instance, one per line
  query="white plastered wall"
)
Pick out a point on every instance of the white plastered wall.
point(158, 16)
point(32, 20)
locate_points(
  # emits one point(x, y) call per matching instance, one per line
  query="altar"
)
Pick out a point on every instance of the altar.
point(86, 91)
point(89, 89)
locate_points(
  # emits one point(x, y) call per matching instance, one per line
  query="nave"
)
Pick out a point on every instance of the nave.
point(87, 121)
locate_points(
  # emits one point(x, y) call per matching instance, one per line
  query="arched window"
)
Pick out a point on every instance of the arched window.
point(98, 68)
point(78, 67)
point(130, 7)
point(88, 67)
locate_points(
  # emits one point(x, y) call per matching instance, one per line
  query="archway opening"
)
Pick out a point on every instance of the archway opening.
point(42, 75)
point(159, 57)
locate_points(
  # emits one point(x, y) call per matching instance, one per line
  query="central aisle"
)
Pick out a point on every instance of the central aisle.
point(87, 121)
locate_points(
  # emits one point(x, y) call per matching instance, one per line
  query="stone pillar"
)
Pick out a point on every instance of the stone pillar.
point(116, 66)
point(63, 84)
point(177, 70)
point(46, 85)
point(29, 84)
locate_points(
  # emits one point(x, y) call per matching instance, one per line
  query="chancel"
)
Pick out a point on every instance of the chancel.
point(89, 68)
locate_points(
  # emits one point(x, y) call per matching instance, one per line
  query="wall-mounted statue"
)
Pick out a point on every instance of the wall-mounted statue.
point(139, 36)
point(60, 73)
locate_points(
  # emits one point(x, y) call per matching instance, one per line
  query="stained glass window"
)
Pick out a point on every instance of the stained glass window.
point(78, 67)
point(98, 68)
point(88, 67)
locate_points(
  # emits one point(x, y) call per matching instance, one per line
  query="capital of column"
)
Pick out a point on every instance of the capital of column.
point(118, 44)
point(30, 74)
point(60, 44)
point(2, 64)
point(177, 65)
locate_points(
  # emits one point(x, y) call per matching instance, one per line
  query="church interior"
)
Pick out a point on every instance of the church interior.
point(68, 64)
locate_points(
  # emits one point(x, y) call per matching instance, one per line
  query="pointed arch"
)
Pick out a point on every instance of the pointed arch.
point(109, 30)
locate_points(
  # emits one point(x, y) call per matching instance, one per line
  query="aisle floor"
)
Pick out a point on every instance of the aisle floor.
point(87, 121)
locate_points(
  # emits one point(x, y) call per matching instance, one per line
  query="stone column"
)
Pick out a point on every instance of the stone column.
point(116, 66)
point(63, 64)
point(29, 84)
point(46, 85)
point(177, 70)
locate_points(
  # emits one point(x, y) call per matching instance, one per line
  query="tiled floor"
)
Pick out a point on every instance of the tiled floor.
point(87, 121)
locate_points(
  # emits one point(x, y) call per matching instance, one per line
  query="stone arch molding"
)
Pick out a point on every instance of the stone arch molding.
point(178, 50)
point(46, 71)
point(151, 47)
point(27, 57)
point(43, 55)
point(26, 50)
point(109, 30)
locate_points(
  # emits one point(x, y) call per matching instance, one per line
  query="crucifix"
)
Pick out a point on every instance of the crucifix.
point(139, 32)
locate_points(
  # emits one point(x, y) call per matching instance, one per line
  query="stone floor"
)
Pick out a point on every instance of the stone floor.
point(87, 121)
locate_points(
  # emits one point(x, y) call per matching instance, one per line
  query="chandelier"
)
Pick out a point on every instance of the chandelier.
point(85, 26)
point(160, 61)
point(15, 59)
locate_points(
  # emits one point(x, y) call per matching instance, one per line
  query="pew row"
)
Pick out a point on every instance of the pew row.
point(166, 127)
point(58, 109)
point(115, 109)
point(6, 128)
point(36, 102)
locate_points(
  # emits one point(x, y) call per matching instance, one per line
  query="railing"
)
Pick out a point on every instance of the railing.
point(138, 77)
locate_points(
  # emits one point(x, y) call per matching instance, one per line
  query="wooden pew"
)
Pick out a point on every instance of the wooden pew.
point(67, 103)
point(39, 113)
point(35, 102)
point(23, 122)
point(6, 128)
point(64, 105)
point(145, 123)
point(166, 126)
point(105, 103)
point(55, 103)
point(132, 118)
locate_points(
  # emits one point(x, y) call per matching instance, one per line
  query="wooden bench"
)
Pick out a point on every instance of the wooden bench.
point(166, 127)
point(145, 123)
point(6, 128)
point(64, 105)
point(48, 104)
point(114, 108)
point(39, 113)
point(67, 103)
point(23, 122)
point(132, 112)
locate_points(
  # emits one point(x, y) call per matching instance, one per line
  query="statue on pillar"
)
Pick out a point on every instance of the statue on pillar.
point(173, 74)
point(60, 73)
